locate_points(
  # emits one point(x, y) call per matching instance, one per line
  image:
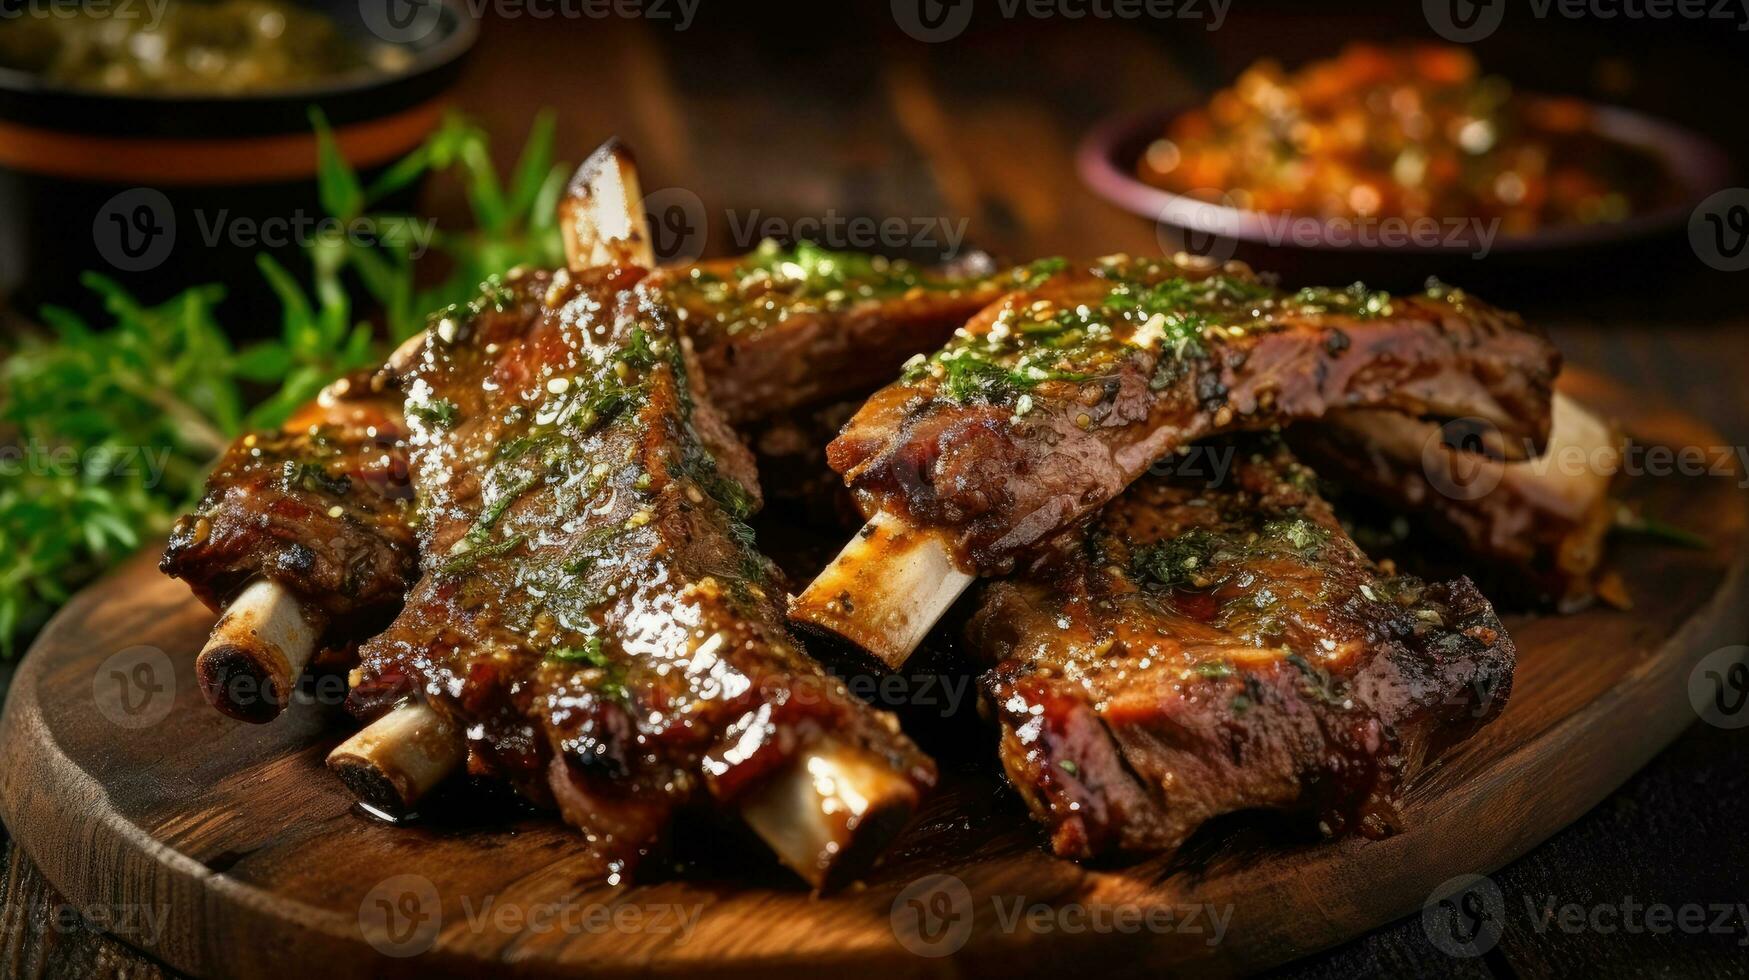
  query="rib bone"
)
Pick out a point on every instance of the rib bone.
point(829, 814)
point(885, 590)
point(257, 651)
point(394, 761)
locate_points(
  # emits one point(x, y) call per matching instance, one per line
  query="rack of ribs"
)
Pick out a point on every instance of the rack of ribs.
point(1052, 400)
point(1200, 650)
point(593, 624)
point(303, 539)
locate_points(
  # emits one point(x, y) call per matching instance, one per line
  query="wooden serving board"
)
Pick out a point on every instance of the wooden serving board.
point(227, 850)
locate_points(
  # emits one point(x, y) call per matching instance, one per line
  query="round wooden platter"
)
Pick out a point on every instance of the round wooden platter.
point(227, 850)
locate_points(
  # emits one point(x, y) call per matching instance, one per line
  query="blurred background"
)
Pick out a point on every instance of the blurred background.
point(963, 122)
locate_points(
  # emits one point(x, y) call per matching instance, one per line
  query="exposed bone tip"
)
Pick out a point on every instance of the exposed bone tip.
point(830, 814)
point(602, 214)
point(396, 760)
point(240, 685)
point(885, 591)
point(257, 652)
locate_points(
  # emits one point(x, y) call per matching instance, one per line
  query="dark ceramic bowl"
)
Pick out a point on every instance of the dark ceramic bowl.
point(166, 191)
point(1308, 249)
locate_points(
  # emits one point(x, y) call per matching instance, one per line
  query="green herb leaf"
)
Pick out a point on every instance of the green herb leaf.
point(336, 185)
point(118, 422)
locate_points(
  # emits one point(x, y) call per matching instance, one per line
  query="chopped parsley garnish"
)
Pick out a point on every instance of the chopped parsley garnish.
point(309, 476)
point(589, 653)
point(1303, 537)
point(462, 560)
point(1177, 563)
point(441, 413)
point(1150, 308)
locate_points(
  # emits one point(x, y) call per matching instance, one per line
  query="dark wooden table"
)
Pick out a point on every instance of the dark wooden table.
point(793, 112)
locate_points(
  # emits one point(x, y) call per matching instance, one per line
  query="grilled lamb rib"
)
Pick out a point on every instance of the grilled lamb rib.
point(780, 329)
point(592, 611)
point(1196, 651)
point(323, 506)
point(1539, 526)
point(1051, 401)
point(303, 539)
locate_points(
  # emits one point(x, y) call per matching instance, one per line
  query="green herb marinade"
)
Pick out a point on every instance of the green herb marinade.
point(1149, 308)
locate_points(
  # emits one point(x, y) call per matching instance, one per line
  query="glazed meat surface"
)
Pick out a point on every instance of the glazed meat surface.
point(779, 329)
point(592, 611)
point(1199, 650)
point(322, 507)
point(1048, 403)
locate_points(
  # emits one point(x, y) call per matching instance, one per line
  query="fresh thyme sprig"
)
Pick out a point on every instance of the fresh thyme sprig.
point(107, 431)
